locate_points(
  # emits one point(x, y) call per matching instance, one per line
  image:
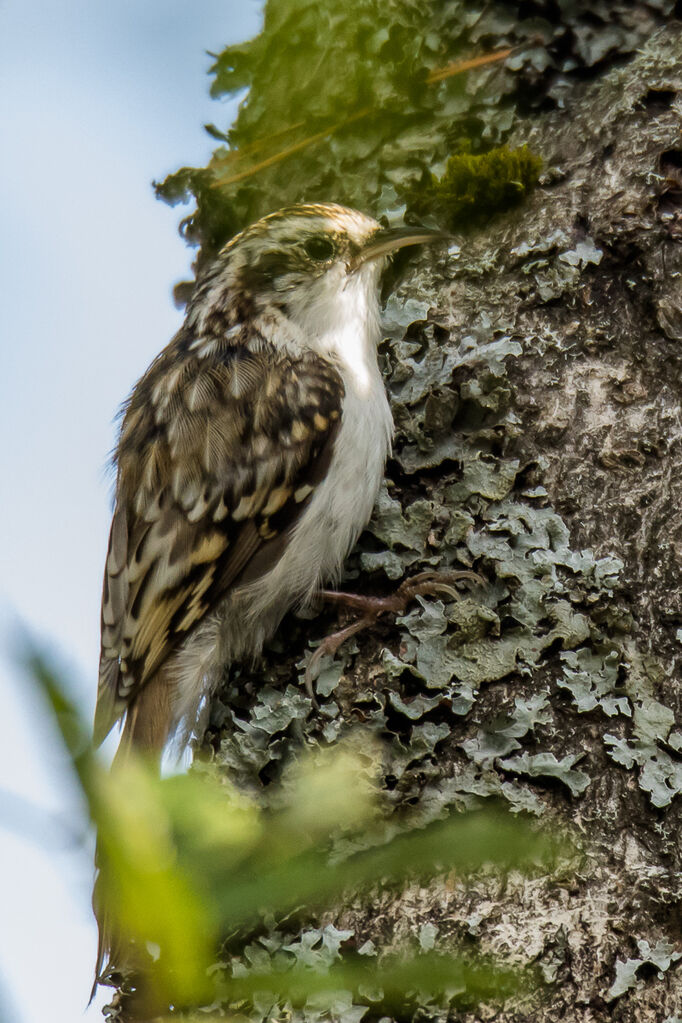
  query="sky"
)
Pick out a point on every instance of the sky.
point(99, 99)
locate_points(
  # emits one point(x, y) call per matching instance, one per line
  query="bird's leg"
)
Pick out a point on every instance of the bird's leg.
point(425, 583)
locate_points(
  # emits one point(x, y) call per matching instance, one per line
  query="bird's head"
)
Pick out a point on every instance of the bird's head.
point(315, 263)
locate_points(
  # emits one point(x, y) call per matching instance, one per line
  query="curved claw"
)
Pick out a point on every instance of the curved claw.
point(435, 579)
point(329, 645)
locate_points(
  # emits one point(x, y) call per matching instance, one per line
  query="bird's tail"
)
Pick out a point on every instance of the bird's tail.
point(148, 721)
point(145, 734)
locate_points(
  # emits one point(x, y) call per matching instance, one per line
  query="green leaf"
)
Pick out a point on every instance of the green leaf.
point(186, 858)
point(429, 973)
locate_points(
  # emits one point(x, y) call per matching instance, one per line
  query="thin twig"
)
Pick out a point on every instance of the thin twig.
point(440, 74)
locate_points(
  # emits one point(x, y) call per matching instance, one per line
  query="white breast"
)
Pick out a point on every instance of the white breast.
point(339, 509)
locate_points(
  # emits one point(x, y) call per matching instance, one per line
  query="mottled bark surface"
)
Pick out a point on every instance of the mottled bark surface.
point(536, 384)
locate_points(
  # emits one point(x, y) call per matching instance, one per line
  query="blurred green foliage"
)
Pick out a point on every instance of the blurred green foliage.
point(356, 75)
point(185, 861)
point(349, 102)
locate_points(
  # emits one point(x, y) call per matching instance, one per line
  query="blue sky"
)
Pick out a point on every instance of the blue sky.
point(98, 99)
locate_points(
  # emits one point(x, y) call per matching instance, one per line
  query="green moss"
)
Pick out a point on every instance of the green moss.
point(476, 187)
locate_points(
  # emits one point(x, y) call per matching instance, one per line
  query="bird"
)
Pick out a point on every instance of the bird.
point(249, 459)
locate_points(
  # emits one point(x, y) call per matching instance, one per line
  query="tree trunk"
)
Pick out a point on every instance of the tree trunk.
point(535, 379)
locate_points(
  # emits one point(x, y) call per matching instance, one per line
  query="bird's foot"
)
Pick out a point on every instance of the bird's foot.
point(425, 584)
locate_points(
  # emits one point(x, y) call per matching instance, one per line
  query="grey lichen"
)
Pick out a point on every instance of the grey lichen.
point(546, 765)
point(661, 956)
point(277, 952)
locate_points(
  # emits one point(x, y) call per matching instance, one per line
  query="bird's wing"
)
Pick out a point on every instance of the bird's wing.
point(218, 455)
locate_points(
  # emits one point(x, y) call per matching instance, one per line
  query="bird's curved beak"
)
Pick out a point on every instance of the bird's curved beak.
point(389, 240)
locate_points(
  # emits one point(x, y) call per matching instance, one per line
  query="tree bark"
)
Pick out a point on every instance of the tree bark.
point(535, 378)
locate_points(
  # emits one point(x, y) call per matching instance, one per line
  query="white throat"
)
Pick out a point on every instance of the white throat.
point(339, 320)
point(353, 332)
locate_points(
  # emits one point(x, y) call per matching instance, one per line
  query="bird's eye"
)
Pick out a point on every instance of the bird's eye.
point(319, 248)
